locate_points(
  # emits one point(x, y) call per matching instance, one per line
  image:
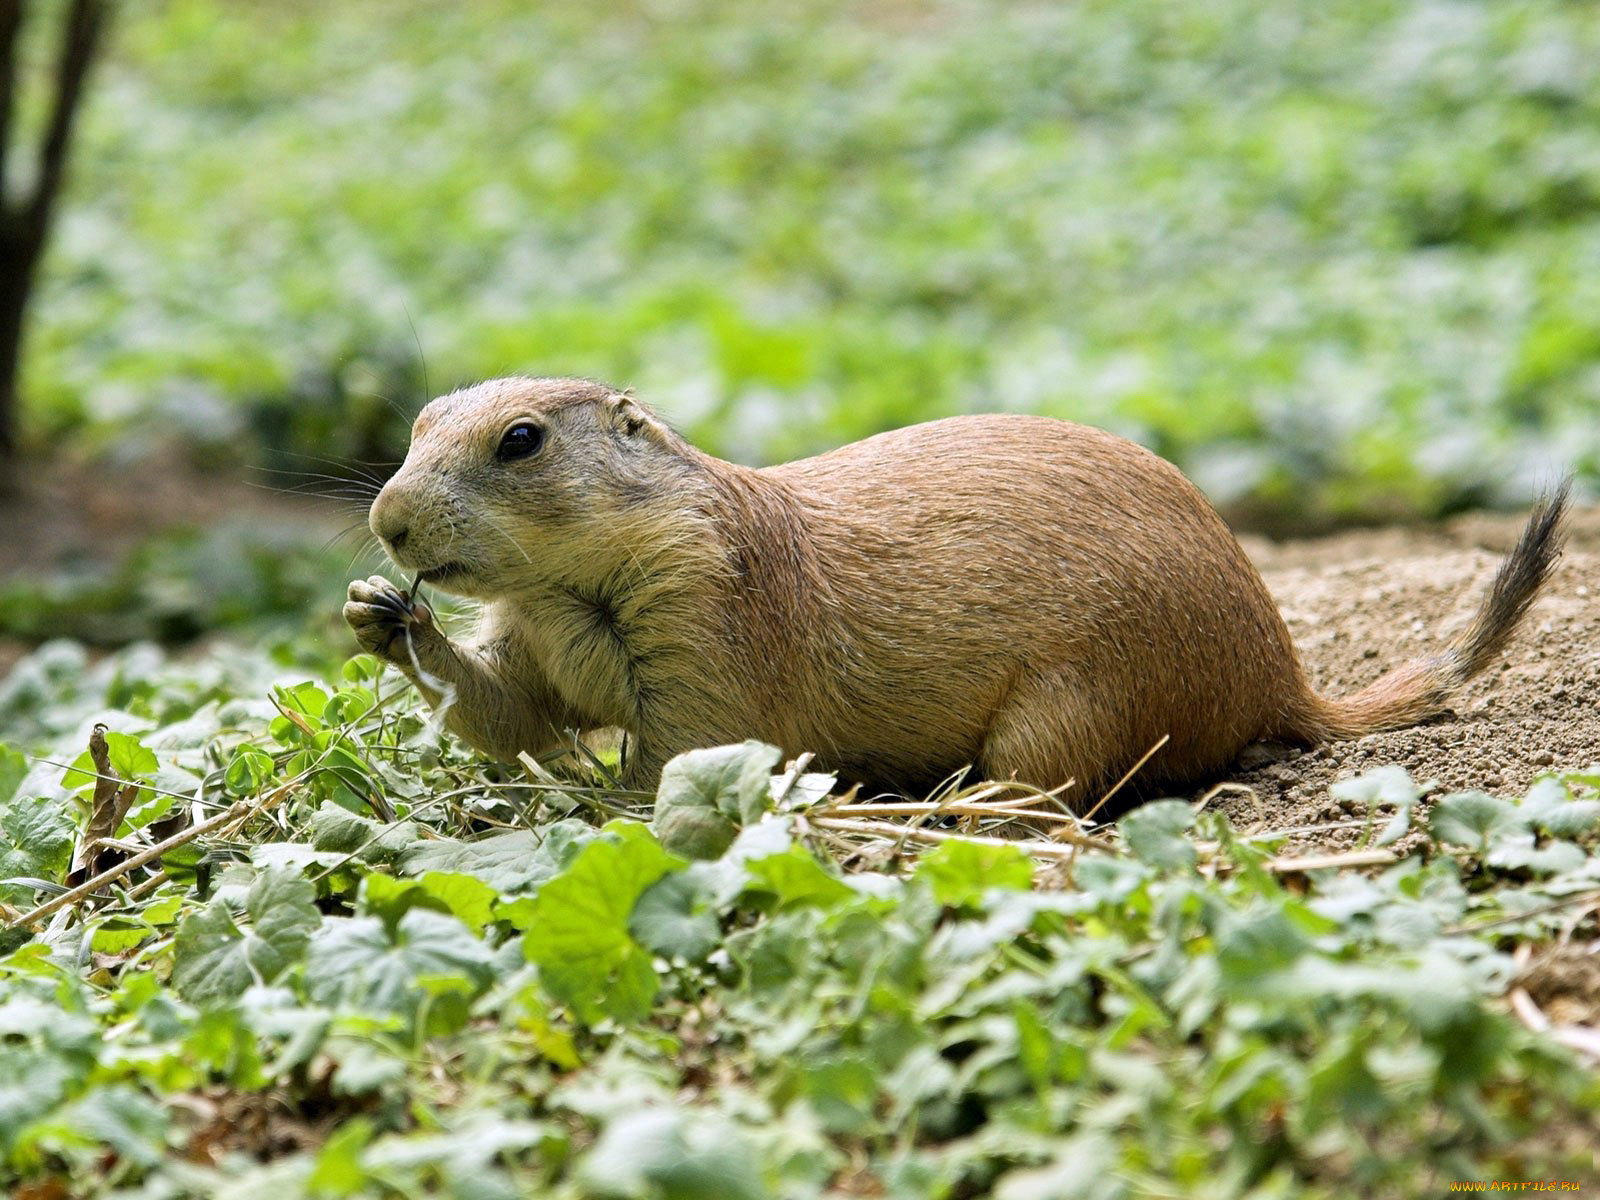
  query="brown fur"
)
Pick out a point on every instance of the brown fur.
point(1041, 599)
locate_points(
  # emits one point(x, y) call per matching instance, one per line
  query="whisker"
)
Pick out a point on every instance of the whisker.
point(320, 477)
point(421, 357)
point(317, 487)
point(366, 546)
point(338, 537)
point(494, 525)
point(348, 464)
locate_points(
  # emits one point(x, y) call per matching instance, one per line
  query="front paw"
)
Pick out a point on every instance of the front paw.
point(387, 622)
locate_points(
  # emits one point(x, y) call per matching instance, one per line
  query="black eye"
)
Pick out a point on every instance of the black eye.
point(521, 440)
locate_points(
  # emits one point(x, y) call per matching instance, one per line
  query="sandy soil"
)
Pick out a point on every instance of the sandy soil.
point(1362, 602)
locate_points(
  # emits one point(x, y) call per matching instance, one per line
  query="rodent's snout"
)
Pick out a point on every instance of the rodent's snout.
point(389, 520)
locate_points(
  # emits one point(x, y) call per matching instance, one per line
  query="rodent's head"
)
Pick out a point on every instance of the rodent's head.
point(517, 482)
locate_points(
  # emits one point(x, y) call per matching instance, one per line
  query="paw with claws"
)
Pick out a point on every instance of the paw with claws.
point(387, 621)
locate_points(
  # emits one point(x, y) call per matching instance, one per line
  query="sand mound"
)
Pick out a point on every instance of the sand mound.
point(1360, 603)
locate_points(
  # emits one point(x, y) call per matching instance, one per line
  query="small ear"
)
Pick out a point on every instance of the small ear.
point(626, 417)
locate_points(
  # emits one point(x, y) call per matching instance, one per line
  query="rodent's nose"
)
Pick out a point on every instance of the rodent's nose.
point(392, 534)
point(389, 520)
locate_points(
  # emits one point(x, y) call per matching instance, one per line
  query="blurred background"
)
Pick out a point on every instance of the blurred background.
point(1338, 259)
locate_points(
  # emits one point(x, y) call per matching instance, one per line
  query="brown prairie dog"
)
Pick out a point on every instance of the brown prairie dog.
point(1040, 599)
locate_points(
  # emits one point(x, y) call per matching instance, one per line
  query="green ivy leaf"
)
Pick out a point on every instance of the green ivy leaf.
point(1385, 786)
point(1471, 819)
point(961, 872)
point(664, 1154)
point(578, 926)
point(216, 960)
point(361, 964)
point(463, 896)
point(36, 836)
point(508, 862)
point(706, 795)
point(797, 880)
point(1154, 833)
point(676, 917)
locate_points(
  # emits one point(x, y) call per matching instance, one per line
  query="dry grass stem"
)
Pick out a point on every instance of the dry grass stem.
point(1127, 775)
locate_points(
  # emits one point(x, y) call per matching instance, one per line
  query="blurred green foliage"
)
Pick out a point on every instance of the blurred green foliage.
point(1336, 260)
point(180, 585)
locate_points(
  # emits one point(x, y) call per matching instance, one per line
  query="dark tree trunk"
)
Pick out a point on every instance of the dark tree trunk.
point(14, 288)
point(25, 219)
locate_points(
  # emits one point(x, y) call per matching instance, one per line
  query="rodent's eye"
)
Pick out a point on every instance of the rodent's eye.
point(519, 441)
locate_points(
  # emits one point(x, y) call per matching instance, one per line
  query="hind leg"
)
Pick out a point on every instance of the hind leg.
point(1050, 731)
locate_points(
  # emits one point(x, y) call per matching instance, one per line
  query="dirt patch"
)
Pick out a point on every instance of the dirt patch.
point(1360, 603)
point(71, 514)
point(65, 511)
point(1564, 981)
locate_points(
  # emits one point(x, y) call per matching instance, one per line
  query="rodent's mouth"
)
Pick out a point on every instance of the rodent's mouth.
point(443, 571)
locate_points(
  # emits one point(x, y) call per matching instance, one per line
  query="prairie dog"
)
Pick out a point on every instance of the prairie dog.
point(1040, 599)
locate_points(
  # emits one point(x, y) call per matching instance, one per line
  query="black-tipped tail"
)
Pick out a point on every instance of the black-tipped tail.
point(1515, 585)
point(1420, 689)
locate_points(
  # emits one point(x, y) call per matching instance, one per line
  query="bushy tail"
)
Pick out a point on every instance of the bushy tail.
point(1422, 688)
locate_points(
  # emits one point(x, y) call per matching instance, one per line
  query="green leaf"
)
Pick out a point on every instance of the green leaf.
point(216, 960)
point(337, 1170)
point(508, 862)
point(114, 1116)
point(665, 1154)
point(1109, 879)
point(36, 837)
point(335, 829)
point(31, 1083)
point(1154, 834)
point(1517, 851)
point(578, 927)
point(248, 771)
point(705, 795)
point(1389, 785)
point(797, 880)
point(1383, 785)
point(842, 1090)
point(1573, 820)
point(693, 831)
point(129, 761)
point(307, 699)
point(1471, 819)
point(1083, 1166)
point(115, 935)
point(471, 1145)
point(360, 964)
point(13, 768)
point(365, 1068)
point(961, 872)
point(464, 896)
point(1251, 945)
point(1550, 806)
point(676, 917)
